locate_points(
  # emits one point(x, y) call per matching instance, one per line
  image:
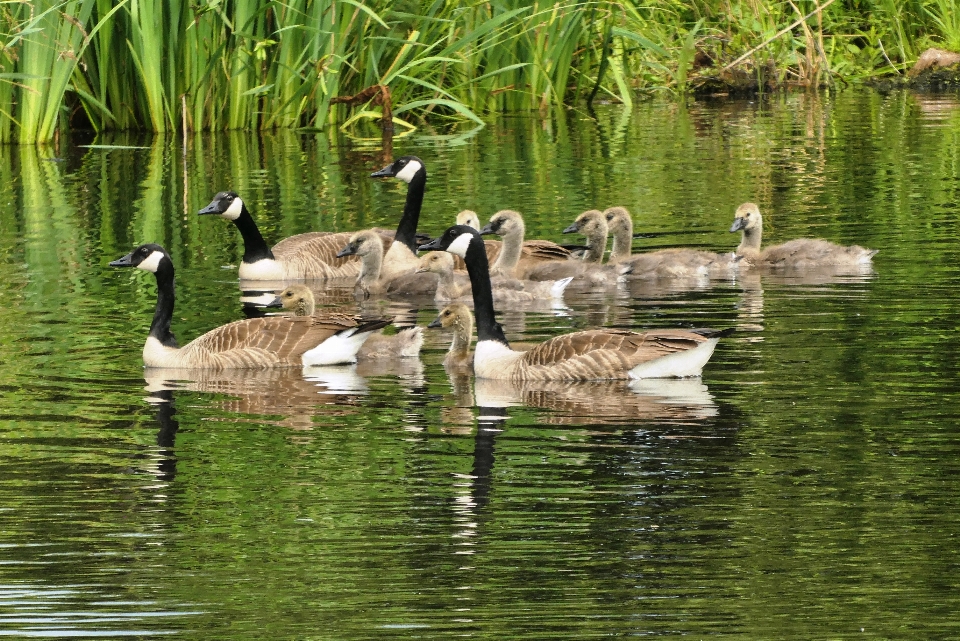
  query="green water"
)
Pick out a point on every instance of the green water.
point(806, 487)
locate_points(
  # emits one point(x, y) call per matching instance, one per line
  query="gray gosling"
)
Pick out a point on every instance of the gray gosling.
point(253, 343)
point(456, 286)
point(665, 263)
point(371, 282)
point(802, 253)
point(458, 317)
point(405, 343)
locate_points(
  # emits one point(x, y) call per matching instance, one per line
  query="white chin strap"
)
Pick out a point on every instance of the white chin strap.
point(233, 211)
point(407, 173)
point(460, 245)
point(151, 262)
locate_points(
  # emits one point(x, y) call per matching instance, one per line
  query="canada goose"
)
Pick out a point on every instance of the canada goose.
point(587, 355)
point(372, 281)
point(401, 257)
point(272, 341)
point(453, 285)
point(405, 343)
point(457, 316)
point(676, 263)
point(802, 253)
point(311, 255)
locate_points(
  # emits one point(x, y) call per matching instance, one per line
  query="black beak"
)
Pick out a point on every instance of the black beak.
point(487, 229)
point(212, 208)
point(386, 172)
point(126, 261)
point(349, 250)
point(436, 323)
point(433, 245)
point(572, 229)
point(738, 224)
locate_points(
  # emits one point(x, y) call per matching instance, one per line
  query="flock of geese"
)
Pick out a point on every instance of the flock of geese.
point(462, 269)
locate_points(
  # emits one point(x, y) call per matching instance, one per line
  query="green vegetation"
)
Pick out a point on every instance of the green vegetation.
point(257, 64)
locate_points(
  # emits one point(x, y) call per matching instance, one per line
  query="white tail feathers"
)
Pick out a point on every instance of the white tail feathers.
point(557, 290)
point(339, 349)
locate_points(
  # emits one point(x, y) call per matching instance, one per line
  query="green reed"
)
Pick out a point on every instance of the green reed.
point(262, 64)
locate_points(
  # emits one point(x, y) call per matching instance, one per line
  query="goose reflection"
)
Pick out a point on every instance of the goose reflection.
point(164, 466)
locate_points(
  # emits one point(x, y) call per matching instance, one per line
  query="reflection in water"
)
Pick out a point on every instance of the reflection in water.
point(648, 400)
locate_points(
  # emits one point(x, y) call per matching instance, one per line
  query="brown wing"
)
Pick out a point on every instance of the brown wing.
point(279, 339)
point(544, 250)
point(320, 245)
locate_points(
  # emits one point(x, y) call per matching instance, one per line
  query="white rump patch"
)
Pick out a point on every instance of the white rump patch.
point(689, 362)
point(151, 262)
point(406, 174)
point(233, 211)
point(339, 349)
point(460, 245)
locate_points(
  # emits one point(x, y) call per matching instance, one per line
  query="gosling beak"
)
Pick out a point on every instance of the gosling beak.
point(435, 324)
point(126, 261)
point(212, 208)
point(738, 224)
point(572, 229)
point(276, 302)
point(487, 229)
point(433, 245)
point(386, 172)
point(349, 250)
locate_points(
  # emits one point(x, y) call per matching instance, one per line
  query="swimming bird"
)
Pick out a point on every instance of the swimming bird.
point(678, 263)
point(802, 253)
point(374, 280)
point(458, 317)
point(407, 342)
point(454, 285)
point(273, 341)
point(310, 255)
point(401, 257)
point(587, 355)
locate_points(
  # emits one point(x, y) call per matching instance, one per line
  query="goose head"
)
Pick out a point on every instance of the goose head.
point(469, 218)
point(747, 218)
point(297, 298)
point(619, 220)
point(149, 257)
point(436, 262)
point(363, 243)
point(454, 315)
point(405, 169)
point(457, 240)
point(226, 203)
point(504, 223)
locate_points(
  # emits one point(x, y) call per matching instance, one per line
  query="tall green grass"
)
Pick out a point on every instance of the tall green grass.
point(263, 64)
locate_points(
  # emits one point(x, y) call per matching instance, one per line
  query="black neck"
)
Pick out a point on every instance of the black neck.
point(407, 228)
point(478, 268)
point(160, 328)
point(254, 246)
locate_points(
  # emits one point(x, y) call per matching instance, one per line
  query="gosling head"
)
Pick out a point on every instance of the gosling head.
point(297, 298)
point(150, 257)
point(590, 223)
point(436, 262)
point(226, 203)
point(747, 218)
point(618, 220)
point(469, 218)
point(454, 314)
point(405, 169)
point(362, 243)
point(503, 223)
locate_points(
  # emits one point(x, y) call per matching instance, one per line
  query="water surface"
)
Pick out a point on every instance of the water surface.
point(806, 487)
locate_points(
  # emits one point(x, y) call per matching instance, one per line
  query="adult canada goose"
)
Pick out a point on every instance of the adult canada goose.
point(676, 263)
point(273, 341)
point(311, 255)
point(405, 343)
point(454, 285)
point(458, 317)
point(587, 355)
point(802, 253)
point(372, 280)
point(401, 257)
